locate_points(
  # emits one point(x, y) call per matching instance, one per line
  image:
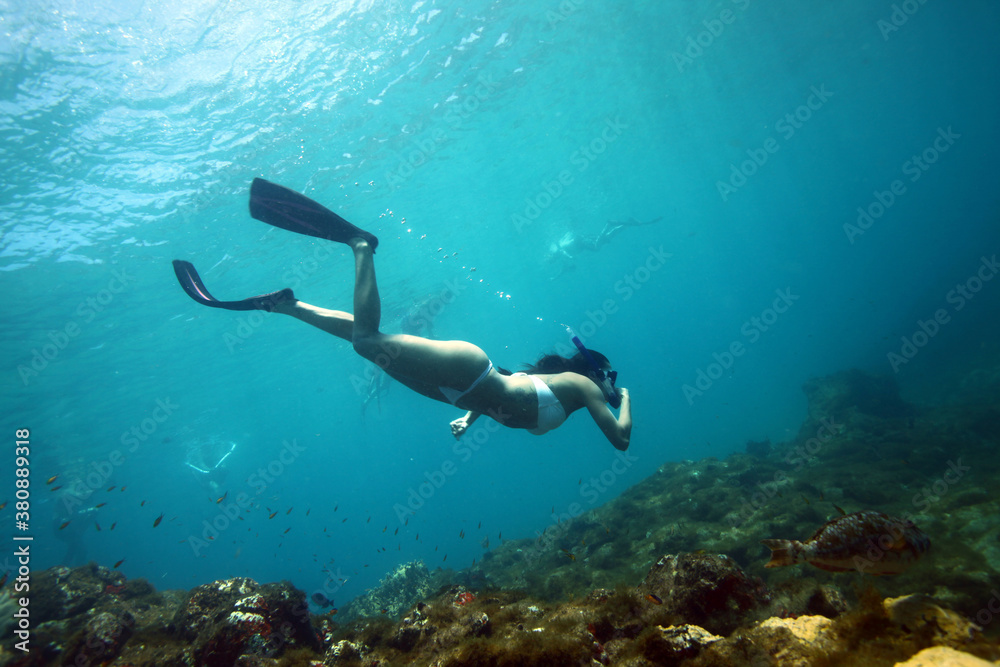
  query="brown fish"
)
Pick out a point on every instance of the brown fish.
point(869, 542)
point(156, 522)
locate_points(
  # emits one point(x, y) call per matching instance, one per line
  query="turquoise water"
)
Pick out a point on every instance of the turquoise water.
point(470, 141)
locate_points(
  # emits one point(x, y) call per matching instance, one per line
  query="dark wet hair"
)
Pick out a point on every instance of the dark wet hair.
point(550, 364)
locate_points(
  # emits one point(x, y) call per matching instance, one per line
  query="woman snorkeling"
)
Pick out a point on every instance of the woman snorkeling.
point(453, 372)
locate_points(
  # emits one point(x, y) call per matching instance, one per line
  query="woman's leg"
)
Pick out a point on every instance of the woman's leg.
point(454, 364)
point(335, 322)
point(419, 363)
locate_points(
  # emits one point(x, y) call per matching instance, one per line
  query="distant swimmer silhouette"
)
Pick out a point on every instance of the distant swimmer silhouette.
point(454, 371)
point(564, 251)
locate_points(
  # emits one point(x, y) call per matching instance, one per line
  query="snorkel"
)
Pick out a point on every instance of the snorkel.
point(605, 380)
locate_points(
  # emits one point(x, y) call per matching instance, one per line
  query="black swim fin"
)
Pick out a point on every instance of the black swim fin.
point(277, 205)
point(191, 282)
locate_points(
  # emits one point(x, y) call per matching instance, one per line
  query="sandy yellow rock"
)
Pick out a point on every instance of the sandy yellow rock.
point(941, 656)
point(915, 612)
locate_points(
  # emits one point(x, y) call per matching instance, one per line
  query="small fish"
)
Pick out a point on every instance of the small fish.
point(289, 511)
point(869, 542)
point(321, 600)
point(308, 510)
point(222, 497)
point(97, 526)
point(52, 479)
point(571, 556)
point(4, 504)
point(386, 528)
point(345, 520)
point(445, 558)
point(369, 520)
point(273, 514)
point(486, 542)
point(157, 521)
point(654, 599)
point(461, 534)
point(56, 487)
point(480, 525)
point(99, 505)
point(335, 507)
point(113, 525)
point(111, 488)
point(123, 488)
point(118, 563)
point(332, 612)
point(63, 525)
point(804, 498)
point(396, 532)
point(3, 579)
point(142, 504)
point(287, 529)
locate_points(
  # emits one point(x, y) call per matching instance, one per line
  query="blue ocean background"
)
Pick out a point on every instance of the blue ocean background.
point(470, 140)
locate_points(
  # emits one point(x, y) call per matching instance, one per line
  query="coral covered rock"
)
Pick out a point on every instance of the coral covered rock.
point(705, 589)
point(676, 643)
point(228, 619)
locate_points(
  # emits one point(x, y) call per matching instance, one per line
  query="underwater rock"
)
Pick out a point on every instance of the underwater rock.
point(782, 642)
point(705, 589)
point(102, 638)
point(941, 656)
point(922, 613)
point(826, 601)
point(833, 396)
point(61, 592)
point(759, 448)
point(397, 592)
point(228, 619)
point(677, 643)
point(480, 625)
point(343, 652)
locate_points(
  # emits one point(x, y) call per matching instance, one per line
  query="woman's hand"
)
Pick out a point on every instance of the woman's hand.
point(459, 427)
